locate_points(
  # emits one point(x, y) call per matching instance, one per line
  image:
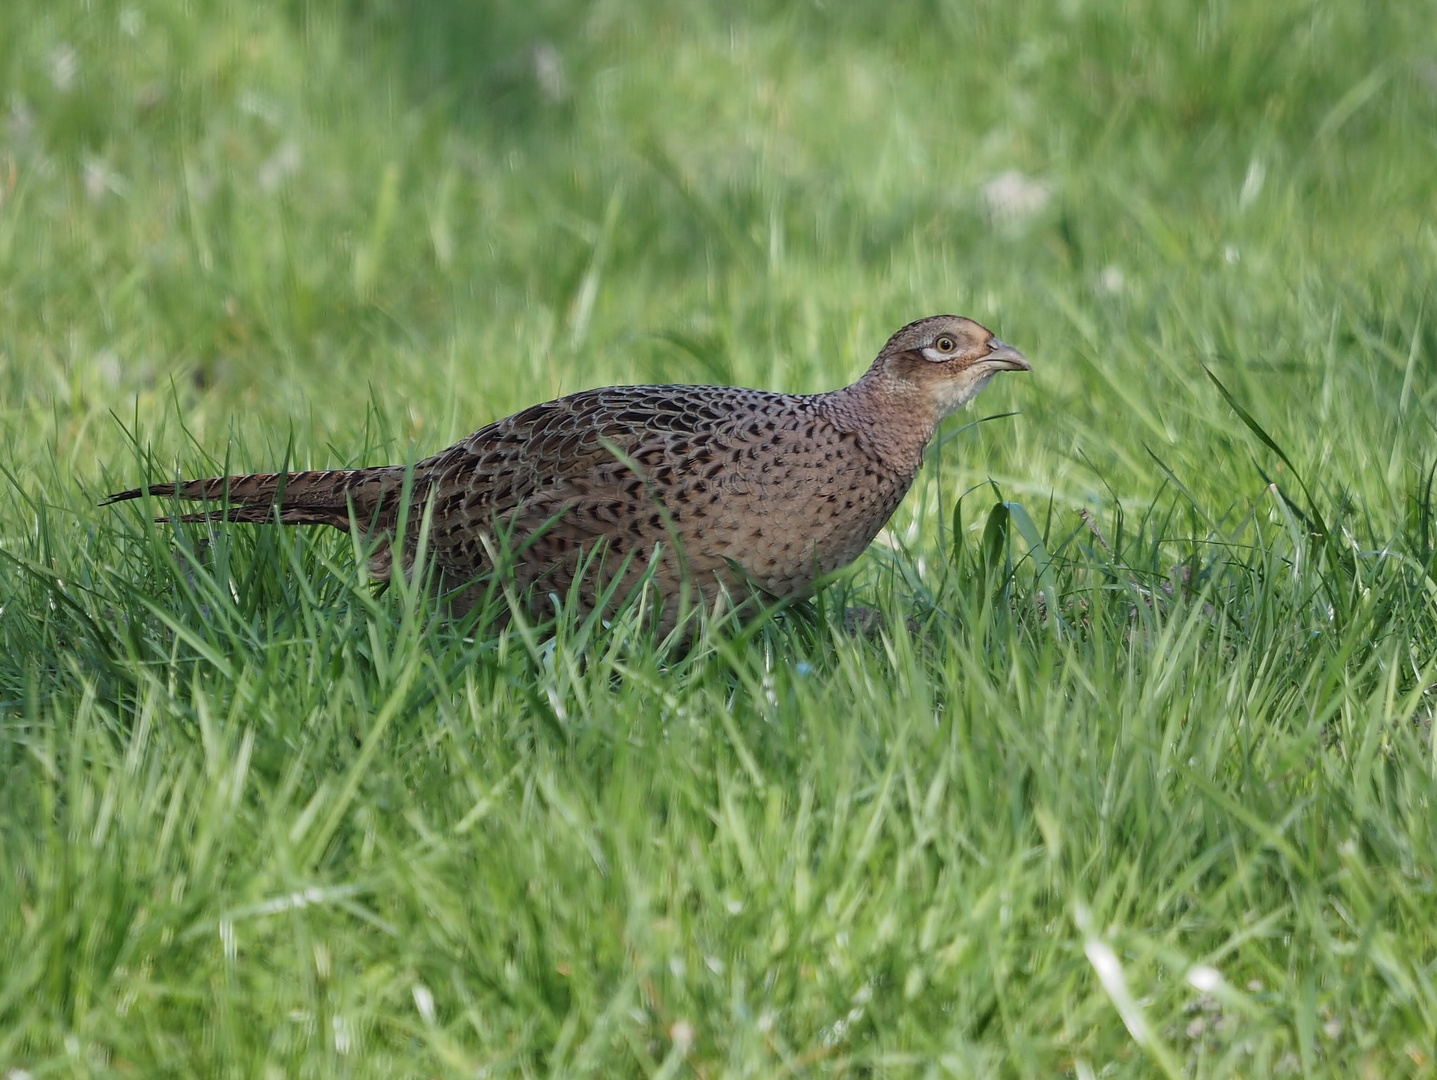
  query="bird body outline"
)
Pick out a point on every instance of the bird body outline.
point(725, 489)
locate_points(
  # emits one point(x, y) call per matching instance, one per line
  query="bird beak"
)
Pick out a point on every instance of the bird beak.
point(1005, 357)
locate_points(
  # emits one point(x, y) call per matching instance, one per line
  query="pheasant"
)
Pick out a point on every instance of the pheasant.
point(715, 490)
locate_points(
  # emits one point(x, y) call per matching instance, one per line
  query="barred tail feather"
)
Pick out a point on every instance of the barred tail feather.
point(321, 497)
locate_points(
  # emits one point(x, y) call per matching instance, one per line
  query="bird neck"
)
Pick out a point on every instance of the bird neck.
point(894, 417)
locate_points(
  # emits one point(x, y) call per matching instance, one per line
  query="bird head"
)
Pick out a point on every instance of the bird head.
point(946, 360)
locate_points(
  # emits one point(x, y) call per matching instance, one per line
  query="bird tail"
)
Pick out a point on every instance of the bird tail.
point(321, 497)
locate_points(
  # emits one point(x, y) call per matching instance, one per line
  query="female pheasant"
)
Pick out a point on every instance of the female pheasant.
point(723, 490)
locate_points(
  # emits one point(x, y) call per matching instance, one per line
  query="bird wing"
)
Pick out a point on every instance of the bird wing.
point(615, 464)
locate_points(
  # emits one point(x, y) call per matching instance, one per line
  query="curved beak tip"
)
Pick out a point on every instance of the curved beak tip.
point(1009, 357)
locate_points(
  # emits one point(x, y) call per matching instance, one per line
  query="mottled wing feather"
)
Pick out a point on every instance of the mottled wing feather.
point(598, 465)
point(739, 486)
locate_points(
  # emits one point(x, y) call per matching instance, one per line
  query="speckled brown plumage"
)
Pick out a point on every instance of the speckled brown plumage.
point(729, 490)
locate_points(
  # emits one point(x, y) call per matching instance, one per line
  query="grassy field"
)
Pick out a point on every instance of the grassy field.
point(1137, 776)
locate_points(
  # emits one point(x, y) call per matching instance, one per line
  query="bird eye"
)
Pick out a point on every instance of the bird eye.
point(945, 344)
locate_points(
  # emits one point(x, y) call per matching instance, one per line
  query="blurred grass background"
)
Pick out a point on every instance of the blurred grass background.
point(257, 822)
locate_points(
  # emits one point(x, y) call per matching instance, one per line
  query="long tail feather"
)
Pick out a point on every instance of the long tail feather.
point(322, 497)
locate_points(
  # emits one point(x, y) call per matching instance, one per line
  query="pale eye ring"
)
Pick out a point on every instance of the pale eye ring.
point(945, 344)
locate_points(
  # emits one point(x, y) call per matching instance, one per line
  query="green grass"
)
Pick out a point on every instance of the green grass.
point(1136, 779)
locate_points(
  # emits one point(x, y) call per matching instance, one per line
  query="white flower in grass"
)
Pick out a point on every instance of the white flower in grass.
point(1012, 197)
point(1205, 979)
point(101, 180)
point(64, 66)
point(108, 367)
point(279, 167)
point(681, 1034)
point(549, 72)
